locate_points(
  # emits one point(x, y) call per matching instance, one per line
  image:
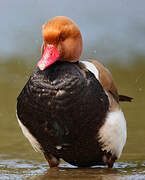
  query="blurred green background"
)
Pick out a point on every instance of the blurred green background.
point(113, 33)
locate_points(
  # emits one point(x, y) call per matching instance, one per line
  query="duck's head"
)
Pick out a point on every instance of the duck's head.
point(62, 41)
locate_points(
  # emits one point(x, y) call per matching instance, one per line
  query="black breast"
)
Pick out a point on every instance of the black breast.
point(65, 106)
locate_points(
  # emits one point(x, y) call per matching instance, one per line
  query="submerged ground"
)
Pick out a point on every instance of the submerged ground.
point(19, 161)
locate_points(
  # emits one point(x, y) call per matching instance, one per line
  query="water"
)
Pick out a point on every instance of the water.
point(114, 29)
point(19, 161)
point(111, 30)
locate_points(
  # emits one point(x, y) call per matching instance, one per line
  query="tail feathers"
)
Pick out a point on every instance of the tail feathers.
point(125, 98)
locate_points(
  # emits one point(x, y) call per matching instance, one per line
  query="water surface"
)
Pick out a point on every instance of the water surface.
point(115, 29)
point(19, 161)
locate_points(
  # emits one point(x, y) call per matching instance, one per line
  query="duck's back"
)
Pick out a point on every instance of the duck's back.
point(63, 107)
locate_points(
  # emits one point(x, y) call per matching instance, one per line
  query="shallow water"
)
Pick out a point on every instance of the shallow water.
point(19, 161)
point(113, 29)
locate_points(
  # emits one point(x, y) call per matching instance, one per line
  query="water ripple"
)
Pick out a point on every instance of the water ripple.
point(16, 169)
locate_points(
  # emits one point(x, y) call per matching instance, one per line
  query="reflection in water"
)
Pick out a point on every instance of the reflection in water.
point(19, 161)
point(97, 173)
point(30, 169)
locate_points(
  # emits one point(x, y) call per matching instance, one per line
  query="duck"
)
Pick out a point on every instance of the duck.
point(69, 109)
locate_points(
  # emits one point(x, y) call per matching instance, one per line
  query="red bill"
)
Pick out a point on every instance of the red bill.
point(50, 56)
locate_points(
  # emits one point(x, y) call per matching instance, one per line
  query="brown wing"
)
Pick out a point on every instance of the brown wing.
point(106, 79)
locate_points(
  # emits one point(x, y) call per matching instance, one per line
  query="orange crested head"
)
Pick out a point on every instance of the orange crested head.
point(62, 41)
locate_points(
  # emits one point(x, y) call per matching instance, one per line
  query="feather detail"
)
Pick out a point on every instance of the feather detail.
point(125, 98)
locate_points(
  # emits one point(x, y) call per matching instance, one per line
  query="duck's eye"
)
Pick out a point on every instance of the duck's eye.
point(62, 37)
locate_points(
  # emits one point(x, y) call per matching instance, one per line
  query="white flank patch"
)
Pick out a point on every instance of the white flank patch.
point(35, 144)
point(91, 67)
point(113, 133)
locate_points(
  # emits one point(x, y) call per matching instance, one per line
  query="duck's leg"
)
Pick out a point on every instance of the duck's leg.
point(110, 165)
point(109, 160)
point(52, 160)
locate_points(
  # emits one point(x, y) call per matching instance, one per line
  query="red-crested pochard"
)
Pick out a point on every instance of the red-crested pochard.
point(69, 108)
